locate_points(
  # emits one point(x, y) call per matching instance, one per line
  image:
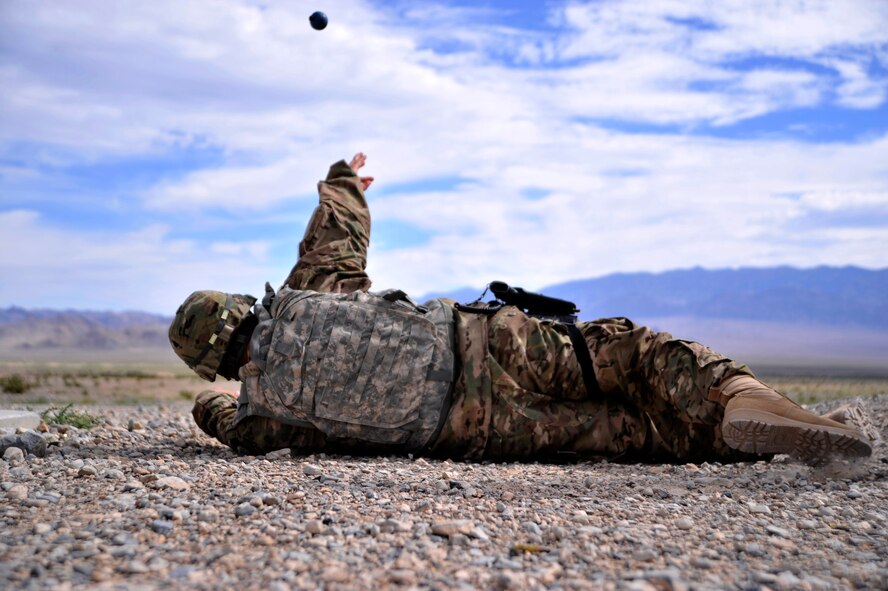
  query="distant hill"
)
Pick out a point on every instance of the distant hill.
point(83, 335)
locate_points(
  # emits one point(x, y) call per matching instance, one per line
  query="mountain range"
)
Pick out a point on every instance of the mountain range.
point(827, 317)
point(825, 296)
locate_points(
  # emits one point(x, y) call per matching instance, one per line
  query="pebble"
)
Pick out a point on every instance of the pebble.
point(162, 526)
point(87, 470)
point(244, 509)
point(14, 455)
point(18, 492)
point(452, 528)
point(208, 515)
point(173, 482)
point(314, 526)
point(778, 531)
point(312, 470)
point(684, 523)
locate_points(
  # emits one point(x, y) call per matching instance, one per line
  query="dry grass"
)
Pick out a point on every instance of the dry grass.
point(807, 390)
point(146, 383)
point(85, 384)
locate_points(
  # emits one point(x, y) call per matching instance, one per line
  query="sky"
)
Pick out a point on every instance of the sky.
point(150, 149)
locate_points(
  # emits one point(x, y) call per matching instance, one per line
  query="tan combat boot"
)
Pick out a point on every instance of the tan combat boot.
point(761, 421)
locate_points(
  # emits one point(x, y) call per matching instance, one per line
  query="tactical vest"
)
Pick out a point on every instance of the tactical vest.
point(359, 367)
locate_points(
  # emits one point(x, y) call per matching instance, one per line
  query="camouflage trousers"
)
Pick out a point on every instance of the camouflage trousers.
point(214, 413)
point(521, 395)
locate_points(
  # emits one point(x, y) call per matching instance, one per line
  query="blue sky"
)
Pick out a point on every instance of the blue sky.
point(148, 149)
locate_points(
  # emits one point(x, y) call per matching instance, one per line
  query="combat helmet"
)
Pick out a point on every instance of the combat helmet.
point(203, 327)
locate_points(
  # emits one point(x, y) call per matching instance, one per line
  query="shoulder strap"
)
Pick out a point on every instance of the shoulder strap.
point(581, 350)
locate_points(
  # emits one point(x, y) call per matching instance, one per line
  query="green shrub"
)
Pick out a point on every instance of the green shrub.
point(67, 415)
point(186, 394)
point(14, 384)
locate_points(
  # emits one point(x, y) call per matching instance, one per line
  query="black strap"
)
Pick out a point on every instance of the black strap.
point(581, 350)
point(485, 309)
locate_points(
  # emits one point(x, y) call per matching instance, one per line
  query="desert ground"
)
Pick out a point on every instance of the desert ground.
point(142, 500)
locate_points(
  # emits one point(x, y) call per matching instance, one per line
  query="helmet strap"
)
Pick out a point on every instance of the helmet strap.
point(239, 341)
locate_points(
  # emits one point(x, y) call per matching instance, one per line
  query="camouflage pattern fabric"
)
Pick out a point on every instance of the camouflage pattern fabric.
point(654, 403)
point(358, 366)
point(197, 320)
point(333, 252)
point(214, 413)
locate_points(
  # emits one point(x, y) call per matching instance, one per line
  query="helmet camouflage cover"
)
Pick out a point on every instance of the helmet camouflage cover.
point(202, 327)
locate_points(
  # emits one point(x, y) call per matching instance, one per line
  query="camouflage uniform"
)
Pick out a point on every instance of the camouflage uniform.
point(520, 392)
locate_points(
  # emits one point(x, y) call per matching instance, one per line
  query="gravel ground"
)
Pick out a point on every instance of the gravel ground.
point(148, 501)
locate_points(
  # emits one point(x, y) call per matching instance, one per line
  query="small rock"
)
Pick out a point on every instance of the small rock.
point(87, 470)
point(208, 515)
point(134, 567)
point(278, 454)
point(754, 549)
point(162, 526)
point(173, 482)
point(756, 508)
point(778, 531)
point(452, 528)
point(135, 425)
point(19, 492)
point(132, 485)
point(244, 510)
point(314, 526)
point(684, 523)
point(14, 455)
point(312, 470)
point(700, 562)
point(644, 555)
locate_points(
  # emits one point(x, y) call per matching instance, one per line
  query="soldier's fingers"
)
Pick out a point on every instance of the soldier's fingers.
point(358, 161)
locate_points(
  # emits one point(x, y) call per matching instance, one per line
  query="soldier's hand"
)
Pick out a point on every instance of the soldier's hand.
point(357, 162)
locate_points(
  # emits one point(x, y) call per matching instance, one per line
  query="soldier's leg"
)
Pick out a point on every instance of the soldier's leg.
point(540, 407)
point(704, 405)
point(669, 380)
point(214, 413)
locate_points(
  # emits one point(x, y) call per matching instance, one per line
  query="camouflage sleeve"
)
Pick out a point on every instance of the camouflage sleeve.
point(333, 252)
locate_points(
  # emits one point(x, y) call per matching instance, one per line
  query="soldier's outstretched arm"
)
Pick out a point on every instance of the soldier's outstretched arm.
point(333, 252)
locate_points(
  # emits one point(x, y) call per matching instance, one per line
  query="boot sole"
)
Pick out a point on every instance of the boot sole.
point(760, 432)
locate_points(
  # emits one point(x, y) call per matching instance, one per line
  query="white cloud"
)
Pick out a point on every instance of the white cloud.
point(43, 265)
point(857, 89)
point(715, 203)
